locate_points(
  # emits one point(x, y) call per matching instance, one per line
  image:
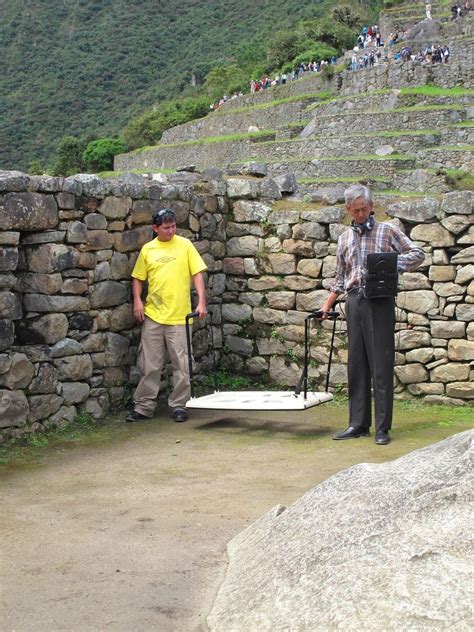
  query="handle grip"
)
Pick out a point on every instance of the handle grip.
point(191, 315)
point(319, 314)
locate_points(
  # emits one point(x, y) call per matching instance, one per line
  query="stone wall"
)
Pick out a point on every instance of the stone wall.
point(68, 338)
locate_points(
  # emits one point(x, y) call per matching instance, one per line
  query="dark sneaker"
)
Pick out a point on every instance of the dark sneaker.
point(134, 416)
point(180, 414)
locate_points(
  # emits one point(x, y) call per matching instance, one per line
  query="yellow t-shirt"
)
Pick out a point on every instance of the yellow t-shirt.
point(168, 266)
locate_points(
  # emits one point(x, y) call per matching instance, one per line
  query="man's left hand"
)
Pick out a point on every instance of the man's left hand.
point(201, 310)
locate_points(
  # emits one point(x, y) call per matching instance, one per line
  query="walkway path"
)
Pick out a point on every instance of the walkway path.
point(129, 532)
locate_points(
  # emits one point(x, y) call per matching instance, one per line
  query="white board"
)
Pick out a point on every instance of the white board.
point(259, 400)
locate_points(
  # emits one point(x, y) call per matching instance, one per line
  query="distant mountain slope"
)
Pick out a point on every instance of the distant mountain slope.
point(85, 66)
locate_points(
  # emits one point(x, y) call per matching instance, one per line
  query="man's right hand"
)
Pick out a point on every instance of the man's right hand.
point(138, 310)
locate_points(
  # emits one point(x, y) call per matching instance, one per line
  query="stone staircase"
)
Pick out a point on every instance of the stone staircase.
point(376, 125)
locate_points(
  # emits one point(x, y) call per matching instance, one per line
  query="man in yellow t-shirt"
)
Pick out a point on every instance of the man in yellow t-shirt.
point(168, 263)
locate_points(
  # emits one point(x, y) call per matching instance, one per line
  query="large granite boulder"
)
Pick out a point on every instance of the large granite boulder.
point(375, 547)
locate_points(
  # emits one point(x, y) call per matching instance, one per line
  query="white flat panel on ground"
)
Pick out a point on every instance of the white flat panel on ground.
point(259, 400)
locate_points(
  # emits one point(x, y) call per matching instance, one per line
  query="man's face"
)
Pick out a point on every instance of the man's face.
point(165, 231)
point(359, 210)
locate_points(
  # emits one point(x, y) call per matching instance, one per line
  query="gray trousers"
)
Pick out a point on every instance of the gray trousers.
point(155, 341)
point(370, 325)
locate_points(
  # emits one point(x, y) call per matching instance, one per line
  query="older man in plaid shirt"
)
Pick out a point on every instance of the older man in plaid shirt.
point(370, 321)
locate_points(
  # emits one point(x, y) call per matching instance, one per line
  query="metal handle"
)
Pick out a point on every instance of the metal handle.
point(190, 353)
point(319, 314)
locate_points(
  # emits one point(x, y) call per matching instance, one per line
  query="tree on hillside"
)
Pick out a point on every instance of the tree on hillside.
point(345, 14)
point(225, 79)
point(69, 156)
point(99, 154)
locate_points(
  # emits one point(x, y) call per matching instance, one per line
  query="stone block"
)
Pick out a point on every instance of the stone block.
point(415, 211)
point(13, 181)
point(108, 294)
point(236, 313)
point(14, 408)
point(134, 239)
point(441, 274)
point(464, 274)
point(116, 349)
point(242, 188)
point(447, 329)
point(433, 234)
point(45, 379)
point(30, 282)
point(242, 246)
point(464, 256)
point(74, 368)
point(458, 202)
point(122, 318)
point(20, 374)
point(48, 258)
point(9, 239)
point(417, 301)
point(43, 303)
point(461, 350)
point(281, 300)
point(233, 265)
point(95, 221)
point(410, 373)
point(309, 230)
point(462, 390)
point(310, 267)
point(282, 263)
point(7, 333)
point(10, 305)
point(77, 233)
point(75, 392)
point(450, 372)
point(8, 258)
point(29, 212)
point(250, 211)
point(42, 406)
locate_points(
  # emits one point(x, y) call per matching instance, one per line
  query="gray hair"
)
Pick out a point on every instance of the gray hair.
point(356, 191)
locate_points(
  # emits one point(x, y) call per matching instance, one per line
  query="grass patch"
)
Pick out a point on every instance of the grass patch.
point(398, 193)
point(399, 133)
point(345, 179)
point(451, 148)
point(208, 140)
point(427, 108)
point(26, 449)
point(460, 180)
point(430, 90)
point(469, 123)
point(271, 104)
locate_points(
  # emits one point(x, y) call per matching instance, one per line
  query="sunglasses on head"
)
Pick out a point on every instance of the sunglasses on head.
point(160, 216)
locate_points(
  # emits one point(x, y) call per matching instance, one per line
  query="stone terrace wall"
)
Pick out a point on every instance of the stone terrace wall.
point(68, 338)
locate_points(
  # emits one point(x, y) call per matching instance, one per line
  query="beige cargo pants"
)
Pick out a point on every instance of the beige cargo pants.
point(155, 341)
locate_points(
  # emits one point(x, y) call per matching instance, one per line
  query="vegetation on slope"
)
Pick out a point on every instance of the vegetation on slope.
point(87, 68)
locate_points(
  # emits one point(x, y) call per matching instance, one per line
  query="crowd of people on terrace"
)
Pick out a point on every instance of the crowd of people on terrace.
point(366, 53)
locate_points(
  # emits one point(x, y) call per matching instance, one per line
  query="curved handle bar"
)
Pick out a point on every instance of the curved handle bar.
point(319, 314)
point(195, 315)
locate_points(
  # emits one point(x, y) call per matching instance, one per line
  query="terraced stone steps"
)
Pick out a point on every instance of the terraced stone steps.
point(364, 166)
point(413, 118)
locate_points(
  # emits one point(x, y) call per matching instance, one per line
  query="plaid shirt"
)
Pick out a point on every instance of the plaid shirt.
point(383, 237)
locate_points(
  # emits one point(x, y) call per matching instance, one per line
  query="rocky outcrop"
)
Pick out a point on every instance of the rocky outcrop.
point(375, 547)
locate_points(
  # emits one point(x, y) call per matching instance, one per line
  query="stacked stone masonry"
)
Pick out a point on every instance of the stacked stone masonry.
point(68, 339)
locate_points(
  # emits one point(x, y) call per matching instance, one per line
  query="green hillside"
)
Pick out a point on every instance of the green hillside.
point(85, 67)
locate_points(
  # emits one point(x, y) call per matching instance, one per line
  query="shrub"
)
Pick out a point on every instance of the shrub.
point(99, 154)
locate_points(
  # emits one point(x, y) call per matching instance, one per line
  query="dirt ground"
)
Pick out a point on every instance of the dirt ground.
point(128, 530)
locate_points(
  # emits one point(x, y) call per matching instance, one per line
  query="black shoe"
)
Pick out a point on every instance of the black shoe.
point(180, 414)
point(134, 416)
point(382, 437)
point(351, 433)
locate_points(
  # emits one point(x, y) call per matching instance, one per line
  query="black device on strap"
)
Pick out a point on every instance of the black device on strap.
point(360, 229)
point(381, 278)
